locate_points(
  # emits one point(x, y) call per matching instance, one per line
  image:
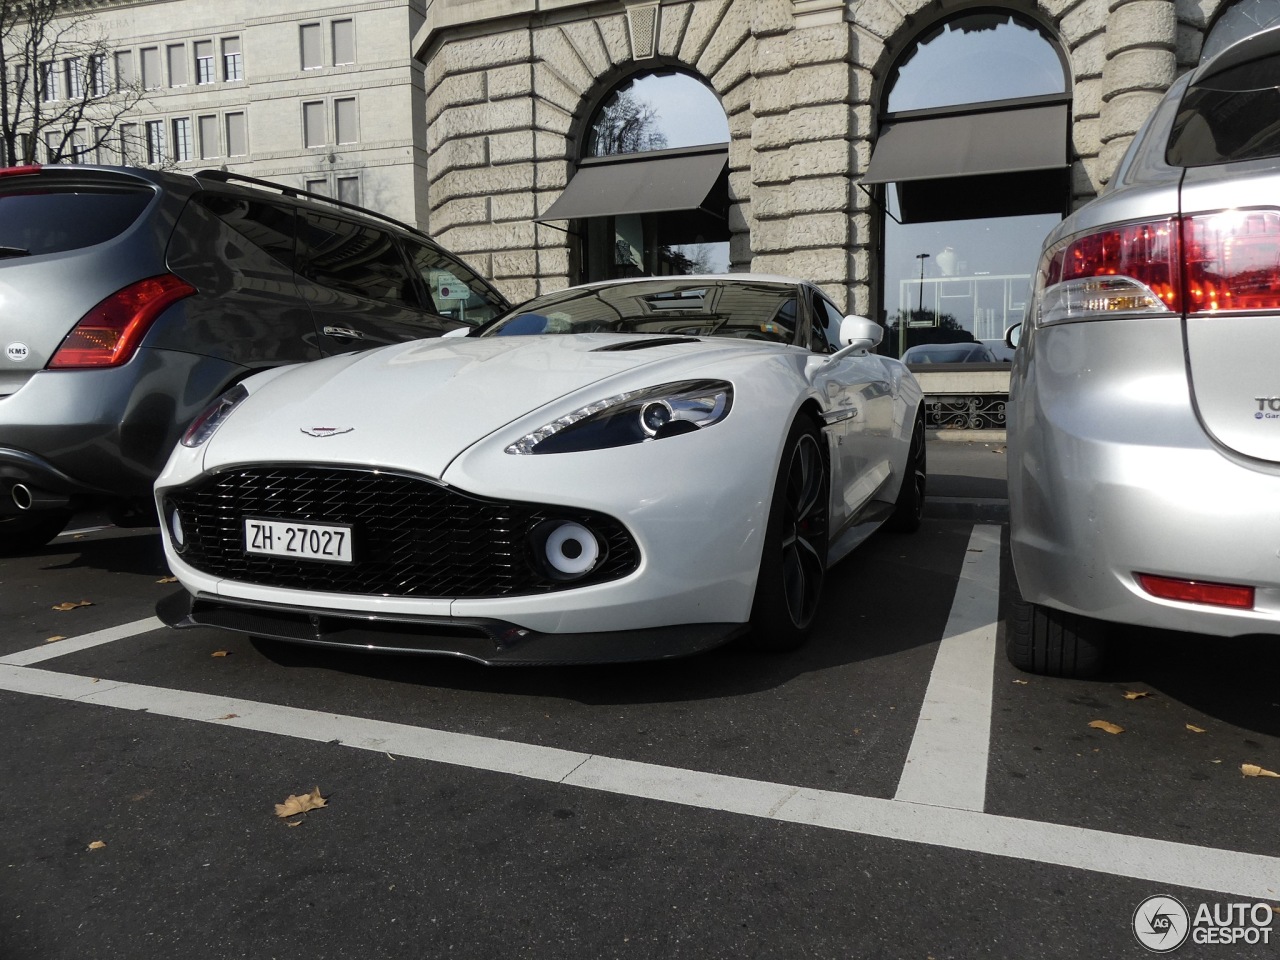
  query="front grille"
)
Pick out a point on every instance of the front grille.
point(411, 537)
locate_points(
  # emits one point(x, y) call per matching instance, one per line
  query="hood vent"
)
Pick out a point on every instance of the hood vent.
point(645, 344)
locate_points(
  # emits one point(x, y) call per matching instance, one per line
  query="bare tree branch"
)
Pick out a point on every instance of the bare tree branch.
point(56, 89)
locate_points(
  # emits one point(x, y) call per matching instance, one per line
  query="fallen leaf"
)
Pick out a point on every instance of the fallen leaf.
point(1194, 729)
point(1108, 727)
point(294, 823)
point(220, 653)
point(167, 580)
point(1023, 682)
point(300, 803)
point(229, 716)
point(97, 845)
point(54, 639)
point(1253, 770)
point(142, 796)
point(1215, 761)
point(1135, 694)
point(71, 605)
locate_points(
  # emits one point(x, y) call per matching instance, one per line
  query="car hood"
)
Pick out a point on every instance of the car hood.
point(416, 406)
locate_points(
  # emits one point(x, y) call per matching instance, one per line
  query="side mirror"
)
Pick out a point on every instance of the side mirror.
point(1012, 336)
point(858, 335)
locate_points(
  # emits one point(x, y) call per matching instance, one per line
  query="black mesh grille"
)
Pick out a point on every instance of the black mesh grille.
point(410, 537)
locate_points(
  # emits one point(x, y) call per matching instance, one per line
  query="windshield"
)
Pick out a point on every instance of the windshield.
point(706, 307)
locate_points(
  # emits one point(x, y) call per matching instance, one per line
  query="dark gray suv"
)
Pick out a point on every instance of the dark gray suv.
point(129, 299)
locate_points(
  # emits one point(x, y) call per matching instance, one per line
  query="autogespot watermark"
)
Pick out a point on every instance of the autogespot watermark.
point(1162, 924)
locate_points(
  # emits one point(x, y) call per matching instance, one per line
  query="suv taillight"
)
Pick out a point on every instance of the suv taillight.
point(1232, 261)
point(109, 334)
point(1207, 263)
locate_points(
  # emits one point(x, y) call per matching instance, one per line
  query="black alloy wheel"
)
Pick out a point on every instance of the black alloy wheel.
point(794, 562)
point(908, 510)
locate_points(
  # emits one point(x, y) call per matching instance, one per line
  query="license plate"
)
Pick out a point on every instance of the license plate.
point(307, 541)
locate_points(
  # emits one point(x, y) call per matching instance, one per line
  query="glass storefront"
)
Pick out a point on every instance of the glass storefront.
point(961, 238)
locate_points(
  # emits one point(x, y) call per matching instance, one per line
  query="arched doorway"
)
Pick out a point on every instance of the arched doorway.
point(650, 194)
point(972, 162)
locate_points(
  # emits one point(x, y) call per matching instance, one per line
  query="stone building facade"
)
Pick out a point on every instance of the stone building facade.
point(317, 96)
point(511, 84)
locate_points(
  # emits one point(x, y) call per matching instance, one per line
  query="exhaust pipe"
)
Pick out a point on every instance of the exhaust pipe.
point(24, 498)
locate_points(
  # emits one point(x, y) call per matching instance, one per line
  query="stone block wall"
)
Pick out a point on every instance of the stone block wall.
point(800, 81)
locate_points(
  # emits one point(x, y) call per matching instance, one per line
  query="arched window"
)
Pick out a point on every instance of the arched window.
point(650, 196)
point(972, 159)
point(1239, 20)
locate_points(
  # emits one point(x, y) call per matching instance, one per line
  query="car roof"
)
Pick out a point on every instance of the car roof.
point(1261, 44)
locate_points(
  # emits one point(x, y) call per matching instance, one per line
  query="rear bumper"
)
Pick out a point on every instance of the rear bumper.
point(487, 641)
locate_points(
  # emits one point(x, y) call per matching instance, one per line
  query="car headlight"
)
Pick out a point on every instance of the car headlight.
point(634, 417)
point(203, 426)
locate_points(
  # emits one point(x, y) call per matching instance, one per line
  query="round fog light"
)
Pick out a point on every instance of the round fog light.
point(572, 549)
point(175, 528)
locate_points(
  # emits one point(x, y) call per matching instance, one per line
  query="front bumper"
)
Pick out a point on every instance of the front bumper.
point(486, 641)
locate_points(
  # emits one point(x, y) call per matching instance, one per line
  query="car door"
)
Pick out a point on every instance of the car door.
point(356, 279)
point(858, 409)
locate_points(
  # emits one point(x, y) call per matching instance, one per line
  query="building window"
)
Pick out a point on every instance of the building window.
point(207, 128)
point(151, 73)
point(102, 148)
point(345, 125)
point(311, 42)
point(52, 146)
point(320, 187)
point(962, 227)
point(313, 133)
point(177, 56)
point(344, 41)
point(232, 63)
point(128, 143)
point(182, 147)
point(73, 72)
point(237, 135)
point(349, 190)
point(204, 62)
point(97, 75)
point(156, 152)
point(650, 195)
point(49, 81)
point(79, 149)
point(124, 70)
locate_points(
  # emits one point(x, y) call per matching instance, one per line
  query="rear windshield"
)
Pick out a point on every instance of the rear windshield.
point(36, 220)
point(1234, 115)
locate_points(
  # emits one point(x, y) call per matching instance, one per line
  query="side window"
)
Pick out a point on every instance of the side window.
point(826, 326)
point(354, 258)
point(267, 226)
point(454, 288)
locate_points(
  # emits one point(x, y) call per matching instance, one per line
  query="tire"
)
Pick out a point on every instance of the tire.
point(1053, 643)
point(908, 509)
point(25, 532)
point(794, 560)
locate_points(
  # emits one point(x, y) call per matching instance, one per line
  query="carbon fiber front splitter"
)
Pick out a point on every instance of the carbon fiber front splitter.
point(492, 642)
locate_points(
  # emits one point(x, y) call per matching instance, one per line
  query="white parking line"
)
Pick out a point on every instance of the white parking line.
point(61, 648)
point(1162, 862)
point(947, 763)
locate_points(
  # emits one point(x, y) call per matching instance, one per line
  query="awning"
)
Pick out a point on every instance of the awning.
point(651, 185)
point(965, 145)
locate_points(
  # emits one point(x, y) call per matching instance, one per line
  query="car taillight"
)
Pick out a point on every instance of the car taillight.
point(1122, 270)
point(109, 334)
point(1204, 264)
point(1232, 260)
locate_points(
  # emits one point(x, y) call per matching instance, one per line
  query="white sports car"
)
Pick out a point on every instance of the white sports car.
point(620, 471)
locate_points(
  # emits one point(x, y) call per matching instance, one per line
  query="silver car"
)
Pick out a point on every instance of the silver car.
point(1144, 431)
